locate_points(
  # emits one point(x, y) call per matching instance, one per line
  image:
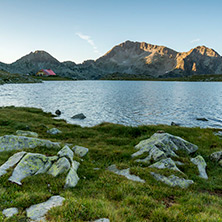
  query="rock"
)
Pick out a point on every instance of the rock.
point(201, 164)
point(220, 163)
point(165, 164)
point(54, 131)
point(178, 163)
point(79, 116)
point(38, 211)
point(174, 124)
point(28, 166)
point(66, 152)
point(12, 161)
point(219, 133)
point(80, 150)
point(47, 165)
point(60, 166)
point(162, 145)
point(216, 156)
point(12, 142)
point(72, 177)
point(26, 133)
point(102, 220)
point(172, 180)
point(125, 173)
point(58, 112)
point(201, 119)
point(9, 212)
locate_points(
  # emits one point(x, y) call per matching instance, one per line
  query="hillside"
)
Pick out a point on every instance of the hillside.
point(137, 58)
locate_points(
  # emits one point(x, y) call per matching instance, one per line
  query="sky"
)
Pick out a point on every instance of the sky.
point(78, 30)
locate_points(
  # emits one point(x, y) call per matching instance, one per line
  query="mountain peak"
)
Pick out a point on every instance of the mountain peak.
point(203, 50)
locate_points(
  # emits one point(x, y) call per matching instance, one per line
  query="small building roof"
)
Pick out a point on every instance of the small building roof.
point(48, 72)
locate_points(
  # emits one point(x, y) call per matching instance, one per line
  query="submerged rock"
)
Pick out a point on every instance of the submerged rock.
point(174, 124)
point(165, 164)
point(12, 161)
point(12, 142)
point(80, 150)
point(72, 177)
point(9, 212)
point(162, 145)
point(201, 164)
point(26, 133)
point(172, 180)
point(54, 131)
point(58, 112)
point(125, 173)
point(38, 211)
point(202, 119)
point(79, 116)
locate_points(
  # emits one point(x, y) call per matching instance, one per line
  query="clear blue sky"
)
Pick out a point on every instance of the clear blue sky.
point(78, 30)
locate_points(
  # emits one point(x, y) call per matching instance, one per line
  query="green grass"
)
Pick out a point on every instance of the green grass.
point(100, 193)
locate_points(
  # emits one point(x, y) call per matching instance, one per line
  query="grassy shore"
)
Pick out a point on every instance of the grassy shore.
point(101, 193)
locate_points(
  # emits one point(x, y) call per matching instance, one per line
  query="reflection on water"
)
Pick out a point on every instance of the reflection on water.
point(124, 102)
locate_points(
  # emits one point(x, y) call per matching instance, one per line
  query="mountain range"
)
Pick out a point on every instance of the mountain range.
point(138, 58)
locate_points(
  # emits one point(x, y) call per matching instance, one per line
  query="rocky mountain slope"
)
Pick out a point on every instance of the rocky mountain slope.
point(138, 58)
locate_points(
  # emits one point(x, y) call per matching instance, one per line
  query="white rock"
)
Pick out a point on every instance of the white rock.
point(54, 131)
point(201, 164)
point(125, 173)
point(38, 211)
point(102, 220)
point(66, 152)
point(72, 177)
point(9, 212)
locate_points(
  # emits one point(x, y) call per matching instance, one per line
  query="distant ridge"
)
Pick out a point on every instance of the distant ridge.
point(126, 58)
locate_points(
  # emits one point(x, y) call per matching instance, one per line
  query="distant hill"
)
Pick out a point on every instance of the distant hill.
point(137, 58)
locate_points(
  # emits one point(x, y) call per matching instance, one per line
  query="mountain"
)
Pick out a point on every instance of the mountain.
point(138, 58)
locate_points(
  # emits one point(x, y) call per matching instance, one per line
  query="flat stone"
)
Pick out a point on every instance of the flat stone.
point(12, 161)
point(201, 164)
point(54, 131)
point(12, 142)
point(125, 173)
point(28, 166)
point(80, 150)
point(162, 145)
point(66, 152)
point(60, 166)
point(102, 220)
point(37, 212)
point(167, 163)
point(216, 156)
point(26, 133)
point(172, 180)
point(72, 177)
point(9, 212)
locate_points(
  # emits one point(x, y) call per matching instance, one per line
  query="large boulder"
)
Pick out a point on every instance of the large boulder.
point(125, 173)
point(162, 145)
point(37, 212)
point(172, 180)
point(201, 164)
point(12, 142)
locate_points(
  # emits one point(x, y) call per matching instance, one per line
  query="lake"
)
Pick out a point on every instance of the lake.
point(124, 102)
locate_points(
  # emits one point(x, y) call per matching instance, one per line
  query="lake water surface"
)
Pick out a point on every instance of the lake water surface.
point(124, 102)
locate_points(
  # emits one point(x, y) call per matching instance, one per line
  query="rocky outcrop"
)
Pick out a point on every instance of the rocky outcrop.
point(26, 133)
point(37, 212)
point(9, 212)
point(201, 164)
point(173, 180)
point(12, 142)
point(80, 150)
point(162, 145)
point(125, 173)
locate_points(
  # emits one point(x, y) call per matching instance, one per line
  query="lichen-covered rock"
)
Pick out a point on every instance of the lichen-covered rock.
point(102, 220)
point(162, 145)
point(80, 150)
point(216, 156)
point(28, 166)
point(172, 180)
point(9, 212)
point(201, 164)
point(167, 163)
point(47, 165)
point(12, 161)
point(54, 131)
point(37, 212)
point(125, 173)
point(12, 142)
point(66, 152)
point(72, 177)
point(60, 166)
point(26, 133)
